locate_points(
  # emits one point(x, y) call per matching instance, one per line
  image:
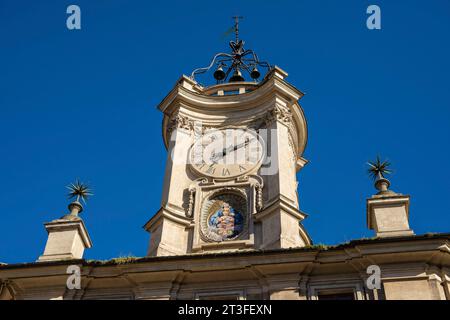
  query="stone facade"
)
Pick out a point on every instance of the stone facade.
point(412, 267)
point(239, 235)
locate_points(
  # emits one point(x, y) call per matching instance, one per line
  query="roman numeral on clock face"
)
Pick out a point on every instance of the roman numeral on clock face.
point(200, 166)
point(211, 169)
point(225, 172)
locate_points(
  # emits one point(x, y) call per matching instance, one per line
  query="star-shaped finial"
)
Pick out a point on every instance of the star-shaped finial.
point(79, 190)
point(378, 168)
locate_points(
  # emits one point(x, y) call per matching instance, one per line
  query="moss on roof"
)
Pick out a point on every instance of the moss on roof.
point(118, 260)
point(310, 248)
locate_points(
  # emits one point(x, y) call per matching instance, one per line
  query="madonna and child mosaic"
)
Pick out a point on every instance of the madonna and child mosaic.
point(225, 219)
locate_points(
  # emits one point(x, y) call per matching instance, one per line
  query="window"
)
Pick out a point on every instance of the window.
point(219, 297)
point(224, 295)
point(336, 290)
point(336, 296)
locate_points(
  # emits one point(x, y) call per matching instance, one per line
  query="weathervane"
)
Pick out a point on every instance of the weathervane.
point(235, 62)
point(236, 27)
point(80, 191)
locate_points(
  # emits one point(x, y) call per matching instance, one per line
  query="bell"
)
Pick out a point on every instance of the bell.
point(255, 74)
point(219, 74)
point(237, 76)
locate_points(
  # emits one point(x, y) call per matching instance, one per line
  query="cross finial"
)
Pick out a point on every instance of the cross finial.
point(236, 26)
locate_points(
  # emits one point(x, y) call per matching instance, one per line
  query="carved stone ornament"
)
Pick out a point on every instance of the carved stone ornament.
point(278, 113)
point(191, 204)
point(179, 121)
point(259, 197)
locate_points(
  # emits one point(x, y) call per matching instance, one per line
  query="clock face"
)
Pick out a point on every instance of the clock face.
point(226, 153)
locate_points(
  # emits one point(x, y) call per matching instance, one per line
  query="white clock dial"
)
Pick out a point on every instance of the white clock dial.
point(227, 153)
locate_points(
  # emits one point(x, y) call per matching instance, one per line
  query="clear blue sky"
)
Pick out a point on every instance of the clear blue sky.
point(82, 104)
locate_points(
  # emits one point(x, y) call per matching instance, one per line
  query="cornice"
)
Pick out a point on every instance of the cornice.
point(192, 104)
point(412, 249)
point(167, 212)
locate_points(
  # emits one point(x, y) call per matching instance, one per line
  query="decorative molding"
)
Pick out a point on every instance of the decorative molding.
point(243, 178)
point(292, 147)
point(259, 197)
point(278, 113)
point(284, 115)
point(180, 121)
point(191, 204)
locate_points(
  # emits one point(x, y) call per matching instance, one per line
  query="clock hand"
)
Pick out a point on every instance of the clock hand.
point(242, 144)
point(216, 156)
point(221, 154)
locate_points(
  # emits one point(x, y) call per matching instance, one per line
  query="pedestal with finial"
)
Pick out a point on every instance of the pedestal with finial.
point(68, 236)
point(387, 211)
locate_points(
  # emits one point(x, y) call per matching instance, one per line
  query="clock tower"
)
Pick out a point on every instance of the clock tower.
point(234, 149)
